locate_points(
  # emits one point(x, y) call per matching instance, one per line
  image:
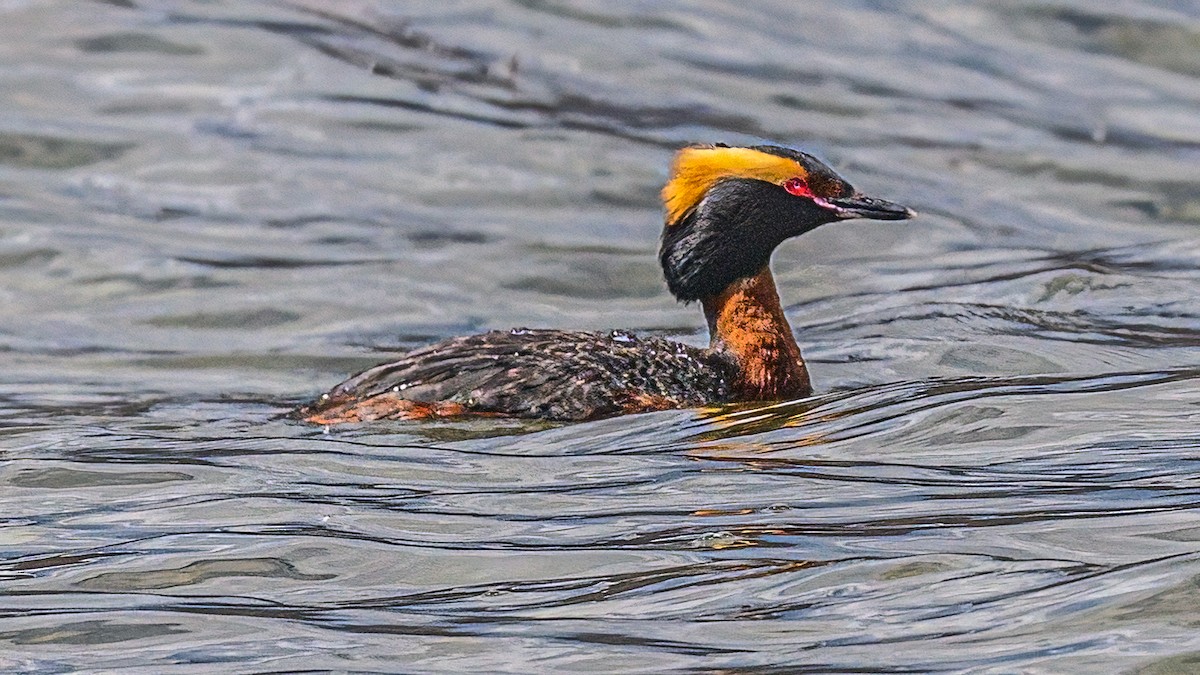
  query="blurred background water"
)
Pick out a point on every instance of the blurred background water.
point(212, 210)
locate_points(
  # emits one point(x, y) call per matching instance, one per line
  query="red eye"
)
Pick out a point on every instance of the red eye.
point(798, 187)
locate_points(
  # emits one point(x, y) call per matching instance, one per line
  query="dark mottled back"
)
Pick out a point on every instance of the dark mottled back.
point(548, 374)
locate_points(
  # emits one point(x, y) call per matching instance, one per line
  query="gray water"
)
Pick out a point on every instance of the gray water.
point(210, 211)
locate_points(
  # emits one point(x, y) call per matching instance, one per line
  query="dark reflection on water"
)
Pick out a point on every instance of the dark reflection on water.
point(209, 211)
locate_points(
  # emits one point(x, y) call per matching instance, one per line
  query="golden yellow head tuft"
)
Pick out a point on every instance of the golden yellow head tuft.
point(698, 168)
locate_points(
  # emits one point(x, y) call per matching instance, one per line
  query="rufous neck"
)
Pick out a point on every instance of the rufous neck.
point(747, 321)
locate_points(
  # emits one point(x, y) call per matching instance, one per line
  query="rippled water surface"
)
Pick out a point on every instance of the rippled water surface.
point(210, 211)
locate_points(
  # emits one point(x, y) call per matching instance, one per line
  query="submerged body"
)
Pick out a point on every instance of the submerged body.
point(548, 374)
point(727, 209)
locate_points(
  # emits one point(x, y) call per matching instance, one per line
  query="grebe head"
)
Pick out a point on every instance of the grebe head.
point(728, 208)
